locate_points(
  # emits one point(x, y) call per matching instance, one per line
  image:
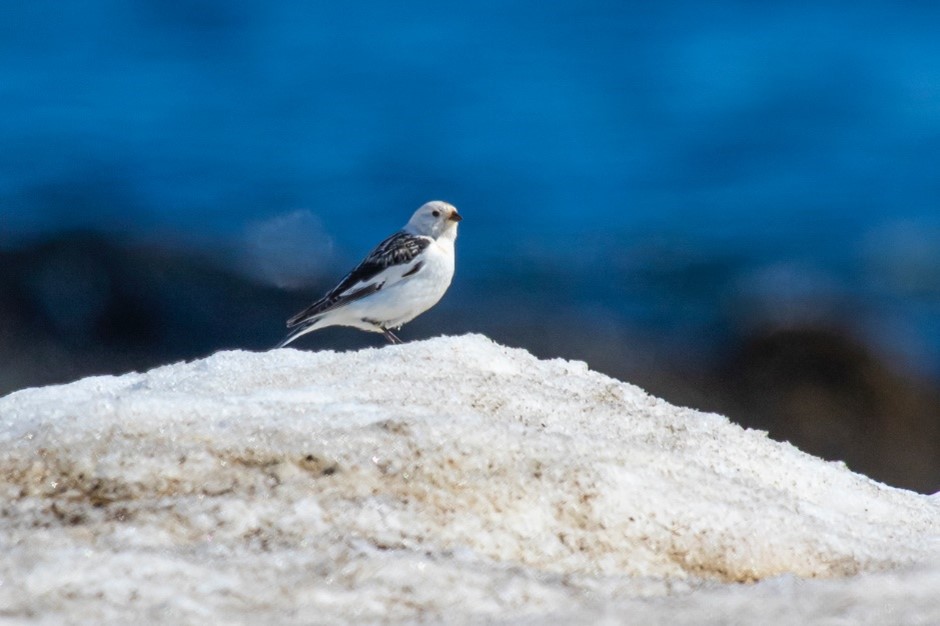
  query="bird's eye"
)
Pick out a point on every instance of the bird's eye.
point(436, 213)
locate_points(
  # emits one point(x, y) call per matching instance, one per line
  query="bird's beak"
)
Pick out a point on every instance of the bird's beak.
point(455, 217)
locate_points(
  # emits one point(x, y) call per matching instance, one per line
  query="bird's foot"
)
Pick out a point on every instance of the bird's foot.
point(392, 337)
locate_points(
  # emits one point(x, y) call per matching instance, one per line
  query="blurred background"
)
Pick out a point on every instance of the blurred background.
point(733, 205)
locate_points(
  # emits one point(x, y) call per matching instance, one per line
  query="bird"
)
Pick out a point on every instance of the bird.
point(403, 277)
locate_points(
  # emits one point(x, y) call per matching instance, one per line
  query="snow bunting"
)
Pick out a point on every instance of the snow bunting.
point(402, 278)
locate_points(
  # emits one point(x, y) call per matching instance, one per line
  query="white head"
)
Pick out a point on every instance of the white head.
point(434, 219)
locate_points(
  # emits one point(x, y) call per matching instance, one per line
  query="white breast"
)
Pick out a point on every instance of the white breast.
point(405, 297)
point(425, 288)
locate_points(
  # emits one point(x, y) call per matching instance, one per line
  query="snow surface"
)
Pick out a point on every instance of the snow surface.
point(445, 480)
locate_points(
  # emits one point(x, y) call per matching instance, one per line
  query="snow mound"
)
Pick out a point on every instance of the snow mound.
point(450, 478)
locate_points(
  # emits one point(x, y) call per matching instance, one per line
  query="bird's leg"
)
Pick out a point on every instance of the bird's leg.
point(392, 337)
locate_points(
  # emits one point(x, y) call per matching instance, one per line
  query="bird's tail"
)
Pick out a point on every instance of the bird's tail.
point(303, 329)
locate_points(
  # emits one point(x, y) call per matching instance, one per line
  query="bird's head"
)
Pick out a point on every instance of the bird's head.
point(435, 219)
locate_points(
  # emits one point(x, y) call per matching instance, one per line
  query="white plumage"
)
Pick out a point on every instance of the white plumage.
point(400, 279)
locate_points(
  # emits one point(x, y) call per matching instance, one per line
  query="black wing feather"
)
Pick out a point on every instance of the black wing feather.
point(398, 249)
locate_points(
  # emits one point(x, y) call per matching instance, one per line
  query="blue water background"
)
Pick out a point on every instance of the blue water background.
point(681, 168)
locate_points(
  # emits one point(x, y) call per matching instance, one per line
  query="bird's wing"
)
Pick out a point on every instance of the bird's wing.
point(398, 251)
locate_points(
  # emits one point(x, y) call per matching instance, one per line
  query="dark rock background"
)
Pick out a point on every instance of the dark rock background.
point(81, 305)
